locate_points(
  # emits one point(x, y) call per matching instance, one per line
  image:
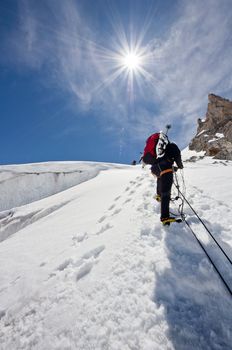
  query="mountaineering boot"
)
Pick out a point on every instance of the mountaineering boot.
point(167, 221)
point(157, 198)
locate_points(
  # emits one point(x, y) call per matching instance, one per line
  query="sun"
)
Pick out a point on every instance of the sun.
point(131, 61)
point(128, 62)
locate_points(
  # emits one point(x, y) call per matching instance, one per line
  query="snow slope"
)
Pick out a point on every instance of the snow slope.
point(22, 184)
point(92, 268)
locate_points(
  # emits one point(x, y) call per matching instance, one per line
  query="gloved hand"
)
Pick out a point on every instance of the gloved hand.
point(180, 166)
point(179, 163)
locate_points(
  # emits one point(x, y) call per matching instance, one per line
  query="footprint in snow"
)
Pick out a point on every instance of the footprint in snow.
point(93, 252)
point(128, 200)
point(198, 189)
point(131, 192)
point(111, 207)
point(139, 178)
point(84, 270)
point(205, 207)
point(82, 266)
point(146, 205)
point(151, 234)
point(147, 194)
point(2, 313)
point(65, 264)
point(116, 212)
point(102, 219)
point(79, 238)
point(104, 228)
point(92, 255)
point(117, 198)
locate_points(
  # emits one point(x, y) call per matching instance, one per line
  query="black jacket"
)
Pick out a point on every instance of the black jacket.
point(172, 154)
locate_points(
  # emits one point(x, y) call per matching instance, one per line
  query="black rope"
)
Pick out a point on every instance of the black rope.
point(199, 242)
point(215, 267)
point(211, 235)
point(181, 205)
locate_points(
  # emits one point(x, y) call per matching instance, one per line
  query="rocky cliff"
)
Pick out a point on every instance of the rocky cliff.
point(214, 133)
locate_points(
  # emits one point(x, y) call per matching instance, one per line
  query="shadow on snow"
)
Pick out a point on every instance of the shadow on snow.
point(197, 305)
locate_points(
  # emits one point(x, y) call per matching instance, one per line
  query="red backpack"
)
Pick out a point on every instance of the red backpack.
point(149, 153)
point(155, 147)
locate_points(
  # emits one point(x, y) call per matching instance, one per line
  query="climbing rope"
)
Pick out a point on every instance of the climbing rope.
point(183, 199)
point(202, 222)
point(215, 267)
point(178, 197)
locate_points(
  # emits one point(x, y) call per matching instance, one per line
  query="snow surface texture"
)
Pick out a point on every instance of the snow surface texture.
point(24, 184)
point(92, 267)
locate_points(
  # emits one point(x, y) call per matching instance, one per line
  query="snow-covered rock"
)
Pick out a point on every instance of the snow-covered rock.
point(214, 133)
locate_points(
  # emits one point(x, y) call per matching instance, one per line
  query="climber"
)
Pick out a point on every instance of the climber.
point(162, 154)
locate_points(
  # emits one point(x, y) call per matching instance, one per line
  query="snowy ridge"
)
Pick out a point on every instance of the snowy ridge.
point(15, 219)
point(188, 154)
point(23, 184)
point(101, 272)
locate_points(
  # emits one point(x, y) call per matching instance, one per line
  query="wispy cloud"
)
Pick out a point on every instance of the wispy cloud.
point(192, 59)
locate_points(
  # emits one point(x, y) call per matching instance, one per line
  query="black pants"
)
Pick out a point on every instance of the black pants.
point(164, 185)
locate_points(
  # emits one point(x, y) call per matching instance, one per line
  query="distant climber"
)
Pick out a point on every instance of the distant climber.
point(161, 154)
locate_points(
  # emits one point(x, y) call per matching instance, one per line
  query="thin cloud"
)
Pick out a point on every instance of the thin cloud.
point(192, 59)
point(191, 62)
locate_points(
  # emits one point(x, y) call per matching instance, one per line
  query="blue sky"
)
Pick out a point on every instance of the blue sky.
point(66, 93)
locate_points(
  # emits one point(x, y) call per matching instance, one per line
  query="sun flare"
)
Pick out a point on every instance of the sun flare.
point(131, 61)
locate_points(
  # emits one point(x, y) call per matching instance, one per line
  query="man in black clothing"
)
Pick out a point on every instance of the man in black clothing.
point(162, 168)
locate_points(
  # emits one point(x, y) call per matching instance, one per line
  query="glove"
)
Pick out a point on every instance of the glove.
point(179, 163)
point(180, 166)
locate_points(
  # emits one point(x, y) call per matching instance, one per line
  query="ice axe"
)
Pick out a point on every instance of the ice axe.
point(168, 126)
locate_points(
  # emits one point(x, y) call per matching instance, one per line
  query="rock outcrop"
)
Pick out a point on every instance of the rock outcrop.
point(214, 133)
